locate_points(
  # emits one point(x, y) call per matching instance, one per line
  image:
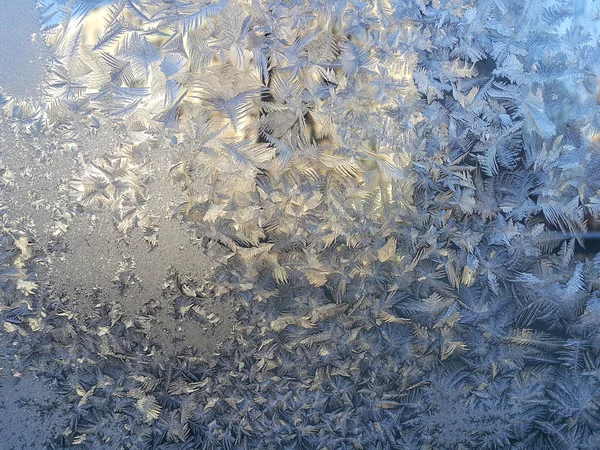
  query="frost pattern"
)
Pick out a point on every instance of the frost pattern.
point(391, 194)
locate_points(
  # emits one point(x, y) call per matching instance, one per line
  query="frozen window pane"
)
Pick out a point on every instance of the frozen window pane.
point(307, 224)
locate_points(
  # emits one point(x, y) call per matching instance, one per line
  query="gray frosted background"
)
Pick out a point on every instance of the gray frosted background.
point(22, 57)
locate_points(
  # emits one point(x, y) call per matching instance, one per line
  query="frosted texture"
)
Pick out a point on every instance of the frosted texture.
point(300, 225)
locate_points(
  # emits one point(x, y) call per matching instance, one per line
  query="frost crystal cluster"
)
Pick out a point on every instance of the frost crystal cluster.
point(308, 224)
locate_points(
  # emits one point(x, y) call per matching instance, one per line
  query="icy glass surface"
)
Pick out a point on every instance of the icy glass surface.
point(269, 224)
